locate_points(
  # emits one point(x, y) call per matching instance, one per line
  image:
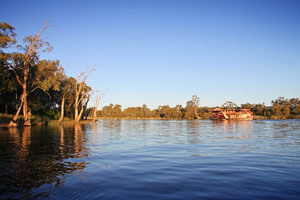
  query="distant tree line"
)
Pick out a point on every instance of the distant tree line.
point(281, 108)
point(30, 85)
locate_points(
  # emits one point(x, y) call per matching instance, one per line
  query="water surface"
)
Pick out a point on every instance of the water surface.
point(152, 159)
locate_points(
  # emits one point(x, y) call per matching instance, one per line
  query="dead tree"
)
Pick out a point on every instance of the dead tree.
point(82, 93)
point(98, 98)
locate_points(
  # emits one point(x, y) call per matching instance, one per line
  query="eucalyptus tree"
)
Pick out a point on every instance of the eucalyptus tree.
point(82, 94)
point(196, 104)
point(66, 91)
point(191, 110)
point(107, 111)
point(146, 111)
point(97, 99)
point(24, 64)
point(229, 105)
point(281, 107)
point(246, 105)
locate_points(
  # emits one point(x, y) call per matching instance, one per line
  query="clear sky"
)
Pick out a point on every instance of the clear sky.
point(159, 52)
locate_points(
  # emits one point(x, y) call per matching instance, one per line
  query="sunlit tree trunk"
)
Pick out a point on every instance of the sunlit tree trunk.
point(83, 107)
point(18, 111)
point(76, 105)
point(25, 108)
point(62, 109)
point(80, 114)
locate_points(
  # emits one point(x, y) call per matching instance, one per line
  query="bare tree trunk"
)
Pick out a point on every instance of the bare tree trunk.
point(62, 109)
point(26, 114)
point(94, 114)
point(81, 111)
point(18, 112)
point(97, 102)
point(13, 122)
point(76, 107)
point(80, 85)
point(80, 114)
point(19, 109)
point(24, 103)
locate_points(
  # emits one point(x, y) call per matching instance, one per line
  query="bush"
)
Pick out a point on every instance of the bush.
point(53, 114)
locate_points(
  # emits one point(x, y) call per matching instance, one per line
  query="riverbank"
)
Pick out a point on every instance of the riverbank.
point(153, 118)
point(5, 119)
point(42, 120)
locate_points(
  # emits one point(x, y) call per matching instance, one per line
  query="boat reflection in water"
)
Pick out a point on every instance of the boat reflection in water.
point(38, 157)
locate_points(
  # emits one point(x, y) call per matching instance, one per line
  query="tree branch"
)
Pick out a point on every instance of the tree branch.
point(19, 81)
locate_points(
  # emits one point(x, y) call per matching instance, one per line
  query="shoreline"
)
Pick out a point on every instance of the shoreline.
point(4, 124)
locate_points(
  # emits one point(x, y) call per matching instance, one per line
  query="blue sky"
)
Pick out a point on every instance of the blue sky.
point(159, 52)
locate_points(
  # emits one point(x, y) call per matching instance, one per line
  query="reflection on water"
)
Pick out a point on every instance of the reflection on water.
point(35, 156)
point(152, 159)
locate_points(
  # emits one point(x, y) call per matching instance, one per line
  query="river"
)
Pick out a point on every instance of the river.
point(152, 159)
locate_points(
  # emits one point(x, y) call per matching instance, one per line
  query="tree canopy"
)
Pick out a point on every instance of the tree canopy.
point(36, 85)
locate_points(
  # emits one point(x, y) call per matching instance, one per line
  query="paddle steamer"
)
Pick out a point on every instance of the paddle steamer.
point(231, 114)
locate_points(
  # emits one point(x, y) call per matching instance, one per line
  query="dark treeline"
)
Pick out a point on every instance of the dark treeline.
point(30, 85)
point(281, 108)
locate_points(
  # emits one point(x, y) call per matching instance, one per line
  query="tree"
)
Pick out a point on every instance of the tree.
point(281, 107)
point(7, 36)
point(178, 109)
point(296, 110)
point(246, 105)
point(196, 104)
point(98, 97)
point(108, 110)
point(205, 112)
point(24, 63)
point(82, 93)
point(164, 111)
point(44, 76)
point(260, 109)
point(229, 105)
point(66, 90)
point(191, 110)
point(146, 111)
point(294, 105)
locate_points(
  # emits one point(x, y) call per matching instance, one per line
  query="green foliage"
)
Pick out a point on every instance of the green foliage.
point(247, 105)
point(49, 74)
point(229, 105)
point(8, 87)
point(50, 114)
point(53, 114)
point(7, 35)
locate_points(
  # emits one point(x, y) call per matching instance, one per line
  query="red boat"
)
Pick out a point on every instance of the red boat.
point(231, 114)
